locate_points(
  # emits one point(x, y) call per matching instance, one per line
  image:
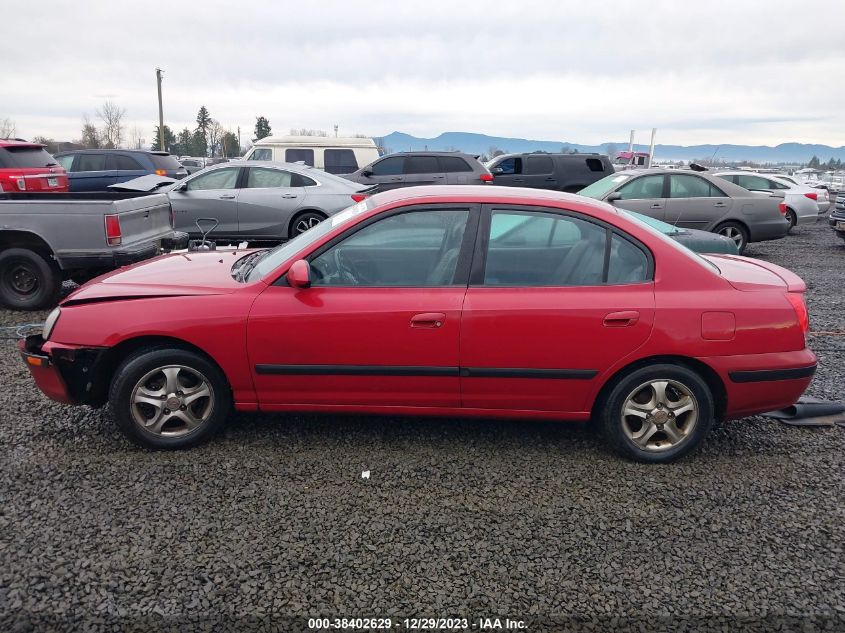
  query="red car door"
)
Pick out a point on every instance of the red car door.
point(379, 325)
point(555, 301)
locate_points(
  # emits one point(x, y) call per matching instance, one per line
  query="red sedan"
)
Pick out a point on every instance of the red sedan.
point(471, 301)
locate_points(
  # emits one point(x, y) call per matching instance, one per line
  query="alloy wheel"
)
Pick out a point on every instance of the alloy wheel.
point(306, 222)
point(659, 415)
point(734, 233)
point(172, 401)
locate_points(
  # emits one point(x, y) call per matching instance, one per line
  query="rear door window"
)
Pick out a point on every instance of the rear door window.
point(421, 165)
point(452, 164)
point(339, 161)
point(594, 164)
point(539, 165)
point(66, 161)
point(752, 182)
point(685, 186)
point(90, 162)
point(294, 155)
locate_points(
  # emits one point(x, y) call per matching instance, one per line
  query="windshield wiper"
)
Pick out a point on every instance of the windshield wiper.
point(246, 264)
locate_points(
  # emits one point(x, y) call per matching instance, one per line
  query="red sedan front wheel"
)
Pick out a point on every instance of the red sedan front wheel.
point(169, 398)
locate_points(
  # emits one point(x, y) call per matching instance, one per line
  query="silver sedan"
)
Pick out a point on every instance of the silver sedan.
point(260, 201)
point(696, 200)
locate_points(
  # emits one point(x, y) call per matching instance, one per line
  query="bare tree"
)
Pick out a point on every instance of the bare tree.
point(111, 115)
point(8, 129)
point(90, 138)
point(215, 135)
point(307, 132)
point(135, 138)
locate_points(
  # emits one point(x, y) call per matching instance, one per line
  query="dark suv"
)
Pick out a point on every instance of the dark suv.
point(540, 170)
point(408, 169)
point(96, 169)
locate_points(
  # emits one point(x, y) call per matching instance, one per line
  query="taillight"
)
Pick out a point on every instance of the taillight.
point(797, 301)
point(782, 208)
point(487, 177)
point(812, 196)
point(19, 182)
point(161, 172)
point(113, 237)
point(358, 197)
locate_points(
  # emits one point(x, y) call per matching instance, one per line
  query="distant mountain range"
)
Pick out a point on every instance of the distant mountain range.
point(481, 143)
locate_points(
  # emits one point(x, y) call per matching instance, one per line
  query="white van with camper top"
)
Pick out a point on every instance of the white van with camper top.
point(336, 155)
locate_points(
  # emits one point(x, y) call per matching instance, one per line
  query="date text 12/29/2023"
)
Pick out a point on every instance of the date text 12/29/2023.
point(417, 624)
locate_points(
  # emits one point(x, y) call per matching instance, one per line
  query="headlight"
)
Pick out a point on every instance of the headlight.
point(50, 323)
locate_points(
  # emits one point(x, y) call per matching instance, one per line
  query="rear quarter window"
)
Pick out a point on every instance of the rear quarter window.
point(594, 164)
point(163, 162)
point(451, 164)
point(339, 161)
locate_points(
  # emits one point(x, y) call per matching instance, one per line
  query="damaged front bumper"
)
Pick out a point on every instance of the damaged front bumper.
point(64, 373)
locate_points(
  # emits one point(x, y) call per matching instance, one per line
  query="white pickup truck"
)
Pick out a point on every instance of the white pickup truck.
point(49, 237)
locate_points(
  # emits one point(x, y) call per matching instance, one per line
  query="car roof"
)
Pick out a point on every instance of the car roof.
point(18, 142)
point(488, 193)
point(317, 141)
point(570, 154)
point(428, 153)
point(115, 150)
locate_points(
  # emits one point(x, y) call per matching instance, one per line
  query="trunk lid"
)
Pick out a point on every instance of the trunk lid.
point(745, 273)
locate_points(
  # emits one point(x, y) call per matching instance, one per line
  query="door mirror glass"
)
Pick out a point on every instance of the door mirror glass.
point(299, 275)
point(613, 197)
point(367, 173)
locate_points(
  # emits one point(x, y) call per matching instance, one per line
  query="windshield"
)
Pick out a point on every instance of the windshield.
point(285, 251)
point(600, 188)
point(636, 217)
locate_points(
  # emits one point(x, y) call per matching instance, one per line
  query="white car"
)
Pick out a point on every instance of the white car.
point(802, 202)
point(335, 155)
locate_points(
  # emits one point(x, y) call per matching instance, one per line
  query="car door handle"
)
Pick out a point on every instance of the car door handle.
point(550, 179)
point(289, 195)
point(518, 180)
point(657, 205)
point(720, 204)
point(625, 318)
point(227, 197)
point(429, 320)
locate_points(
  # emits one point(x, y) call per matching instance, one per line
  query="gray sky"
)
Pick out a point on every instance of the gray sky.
point(741, 71)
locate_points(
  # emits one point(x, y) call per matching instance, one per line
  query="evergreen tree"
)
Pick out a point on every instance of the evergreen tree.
point(262, 127)
point(169, 141)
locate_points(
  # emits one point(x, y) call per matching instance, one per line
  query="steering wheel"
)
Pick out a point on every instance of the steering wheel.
point(346, 272)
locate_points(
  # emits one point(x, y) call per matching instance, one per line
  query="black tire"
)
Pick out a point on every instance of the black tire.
point(791, 218)
point(735, 231)
point(132, 373)
point(28, 281)
point(616, 428)
point(307, 219)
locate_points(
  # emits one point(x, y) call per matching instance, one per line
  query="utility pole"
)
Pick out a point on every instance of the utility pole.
point(239, 140)
point(335, 130)
point(160, 113)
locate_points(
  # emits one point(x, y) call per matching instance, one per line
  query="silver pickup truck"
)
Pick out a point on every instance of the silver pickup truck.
point(47, 238)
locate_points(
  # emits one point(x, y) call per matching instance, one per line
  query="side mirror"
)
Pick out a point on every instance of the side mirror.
point(613, 197)
point(497, 170)
point(299, 275)
point(367, 173)
point(181, 187)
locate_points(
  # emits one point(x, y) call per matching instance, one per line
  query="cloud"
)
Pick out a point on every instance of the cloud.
point(582, 72)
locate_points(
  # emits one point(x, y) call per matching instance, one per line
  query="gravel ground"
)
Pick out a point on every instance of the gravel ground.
point(460, 518)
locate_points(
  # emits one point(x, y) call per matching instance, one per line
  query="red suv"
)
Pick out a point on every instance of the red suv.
point(28, 167)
